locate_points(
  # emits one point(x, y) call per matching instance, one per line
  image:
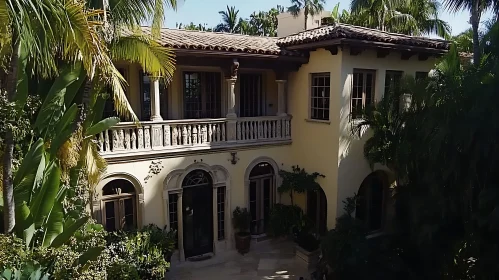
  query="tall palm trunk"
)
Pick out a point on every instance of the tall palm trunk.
point(475, 21)
point(8, 155)
point(305, 13)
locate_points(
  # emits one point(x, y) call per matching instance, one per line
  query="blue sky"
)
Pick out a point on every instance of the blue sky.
point(206, 11)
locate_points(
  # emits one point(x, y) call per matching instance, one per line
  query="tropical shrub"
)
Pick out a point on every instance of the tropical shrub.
point(284, 219)
point(120, 270)
point(298, 181)
point(163, 238)
point(137, 248)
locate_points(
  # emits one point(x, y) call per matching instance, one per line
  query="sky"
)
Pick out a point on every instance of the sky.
point(206, 12)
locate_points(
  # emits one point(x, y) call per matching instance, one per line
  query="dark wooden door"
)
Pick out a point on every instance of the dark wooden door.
point(197, 213)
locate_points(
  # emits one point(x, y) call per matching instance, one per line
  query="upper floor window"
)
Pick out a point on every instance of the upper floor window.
point(202, 91)
point(320, 95)
point(362, 91)
point(392, 81)
point(145, 97)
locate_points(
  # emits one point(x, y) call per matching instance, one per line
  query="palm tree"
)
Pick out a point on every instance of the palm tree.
point(476, 8)
point(464, 41)
point(309, 7)
point(42, 32)
point(416, 17)
point(230, 21)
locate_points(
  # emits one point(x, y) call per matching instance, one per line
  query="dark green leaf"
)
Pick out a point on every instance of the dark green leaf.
point(102, 126)
point(45, 198)
point(69, 230)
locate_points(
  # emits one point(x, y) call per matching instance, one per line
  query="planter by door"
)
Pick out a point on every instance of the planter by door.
point(243, 243)
point(309, 258)
point(198, 217)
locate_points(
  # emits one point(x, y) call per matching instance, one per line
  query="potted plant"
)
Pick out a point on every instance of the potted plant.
point(307, 243)
point(241, 220)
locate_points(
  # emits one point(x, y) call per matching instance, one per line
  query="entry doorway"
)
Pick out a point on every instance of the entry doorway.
point(261, 196)
point(197, 203)
point(317, 210)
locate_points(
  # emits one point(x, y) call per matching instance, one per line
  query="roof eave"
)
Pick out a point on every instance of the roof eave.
point(364, 44)
point(218, 53)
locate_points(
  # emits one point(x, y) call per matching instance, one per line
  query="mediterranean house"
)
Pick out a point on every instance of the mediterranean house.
point(238, 110)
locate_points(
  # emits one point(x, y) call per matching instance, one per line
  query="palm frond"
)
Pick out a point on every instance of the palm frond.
point(121, 104)
point(152, 56)
point(93, 163)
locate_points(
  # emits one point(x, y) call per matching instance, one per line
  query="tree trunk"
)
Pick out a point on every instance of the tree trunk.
point(305, 13)
point(475, 21)
point(8, 155)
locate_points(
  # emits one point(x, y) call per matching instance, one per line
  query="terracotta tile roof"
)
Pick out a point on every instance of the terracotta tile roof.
point(217, 41)
point(346, 31)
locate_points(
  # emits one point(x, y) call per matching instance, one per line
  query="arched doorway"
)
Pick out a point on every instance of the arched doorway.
point(372, 199)
point(317, 210)
point(261, 196)
point(118, 205)
point(197, 202)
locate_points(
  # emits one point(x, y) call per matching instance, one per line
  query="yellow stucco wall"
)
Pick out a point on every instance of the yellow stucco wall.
point(352, 167)
point(315, 143)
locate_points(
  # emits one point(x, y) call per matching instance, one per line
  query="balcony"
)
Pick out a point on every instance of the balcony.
point(179, 137)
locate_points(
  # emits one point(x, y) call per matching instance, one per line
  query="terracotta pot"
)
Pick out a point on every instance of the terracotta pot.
point(243, 242)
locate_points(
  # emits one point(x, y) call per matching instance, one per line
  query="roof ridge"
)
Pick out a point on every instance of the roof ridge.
point(390, 33)
point(214, 32)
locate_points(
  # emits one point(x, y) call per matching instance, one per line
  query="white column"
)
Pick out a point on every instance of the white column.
point(281, 98)
point(231, 98)
point(155, 101)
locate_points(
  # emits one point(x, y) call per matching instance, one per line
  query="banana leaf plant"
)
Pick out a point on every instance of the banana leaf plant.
point(40, 187)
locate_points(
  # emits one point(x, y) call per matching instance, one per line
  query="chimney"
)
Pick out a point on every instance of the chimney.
point(287, 24)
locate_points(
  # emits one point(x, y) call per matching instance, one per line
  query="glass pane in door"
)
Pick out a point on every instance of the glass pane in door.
point(192, 95)
point(250, 93)
point(128, 214)
point(253, 207)
point(110, 215)
point(267, 201)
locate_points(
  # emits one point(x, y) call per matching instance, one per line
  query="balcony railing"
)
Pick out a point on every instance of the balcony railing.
point(182, 135)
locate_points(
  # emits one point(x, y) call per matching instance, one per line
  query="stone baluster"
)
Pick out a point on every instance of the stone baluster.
point(100, 142)
point(106, 141)
point(278, 128)
point(210, 133)
point(243, 128)
point(265, 129)
point(184, 135)
point(121, 140)
point(147, 137)
point(218, 133)
point(260, 131)
point(140, 136)
point(174, 135)
point(133, 139)
point(127, 145)
point(204, 134)
point(273, 129)
point(166, 135)
point(116, 146)
point(194, 135)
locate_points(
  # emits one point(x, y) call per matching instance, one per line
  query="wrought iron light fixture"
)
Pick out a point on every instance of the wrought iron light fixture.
point(233, 157)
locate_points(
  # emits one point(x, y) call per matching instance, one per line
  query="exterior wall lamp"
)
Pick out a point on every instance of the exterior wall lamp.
point(233, 157)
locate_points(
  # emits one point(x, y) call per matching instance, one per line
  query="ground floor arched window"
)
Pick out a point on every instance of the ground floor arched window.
point(118, 206)
point(372, 200)
point(262, 193)
point(317, 210)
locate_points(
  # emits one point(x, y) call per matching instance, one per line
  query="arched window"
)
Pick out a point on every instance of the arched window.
point(261, 196)
point(317, 210)
point(119, 205)
point(371, 201)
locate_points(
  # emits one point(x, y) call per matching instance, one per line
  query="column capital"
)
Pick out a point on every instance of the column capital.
point(231, 70)
point(281, 81)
